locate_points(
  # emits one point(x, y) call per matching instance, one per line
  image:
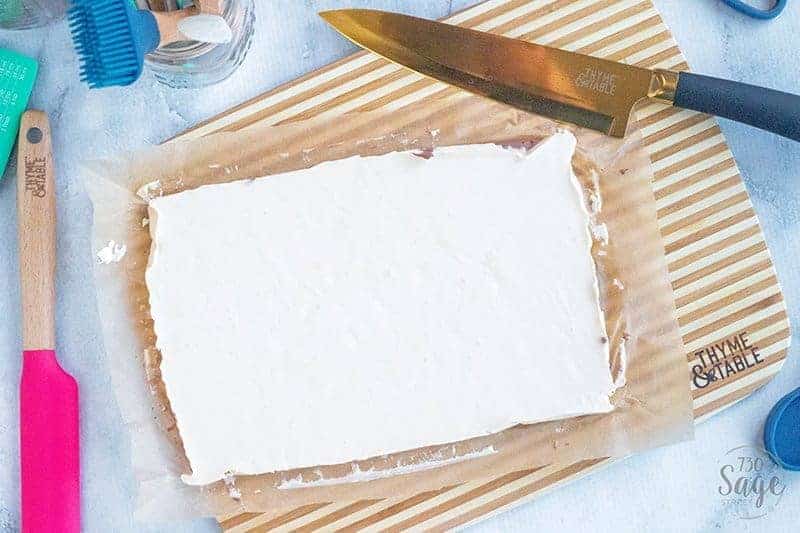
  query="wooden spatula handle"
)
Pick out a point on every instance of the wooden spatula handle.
point(211, 7)
point(167, 22)
point(36, 208)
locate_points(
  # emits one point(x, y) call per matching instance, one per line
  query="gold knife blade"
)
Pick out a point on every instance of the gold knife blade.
point(584, 90)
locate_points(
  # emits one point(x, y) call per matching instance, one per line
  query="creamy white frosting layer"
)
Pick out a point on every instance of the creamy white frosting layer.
point(373, 305)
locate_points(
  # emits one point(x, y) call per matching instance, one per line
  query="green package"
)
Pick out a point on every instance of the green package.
point(17, 75)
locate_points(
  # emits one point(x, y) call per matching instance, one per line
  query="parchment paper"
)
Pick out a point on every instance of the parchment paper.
point(653, 407)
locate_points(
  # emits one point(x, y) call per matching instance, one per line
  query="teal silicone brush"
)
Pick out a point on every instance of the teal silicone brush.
point(17, 74)
point(112, 37)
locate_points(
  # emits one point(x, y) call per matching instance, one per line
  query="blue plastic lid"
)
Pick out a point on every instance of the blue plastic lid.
point(782, 432)
point(744, 6)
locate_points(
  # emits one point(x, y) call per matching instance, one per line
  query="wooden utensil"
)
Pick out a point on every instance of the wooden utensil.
point(49, 432)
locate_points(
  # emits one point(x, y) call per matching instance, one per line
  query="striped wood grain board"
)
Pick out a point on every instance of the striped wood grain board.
point(719, 264)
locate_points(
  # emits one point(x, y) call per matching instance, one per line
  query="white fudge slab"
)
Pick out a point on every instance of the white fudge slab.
point(373, 305)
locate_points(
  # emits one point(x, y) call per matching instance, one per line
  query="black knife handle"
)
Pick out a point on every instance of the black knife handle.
point(767, 109)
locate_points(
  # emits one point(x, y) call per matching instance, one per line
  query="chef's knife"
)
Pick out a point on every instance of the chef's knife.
point(591, 92)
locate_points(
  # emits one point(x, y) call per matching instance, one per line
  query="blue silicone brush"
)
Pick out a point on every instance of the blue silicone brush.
point(113, 36)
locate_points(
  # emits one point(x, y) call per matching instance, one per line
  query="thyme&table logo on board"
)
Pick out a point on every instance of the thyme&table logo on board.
point(750, 481)
point(724, 359)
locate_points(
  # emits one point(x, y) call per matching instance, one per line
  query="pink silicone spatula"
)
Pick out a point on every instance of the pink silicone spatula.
point(49, 451)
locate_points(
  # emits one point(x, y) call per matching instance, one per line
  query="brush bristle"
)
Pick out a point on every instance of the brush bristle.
point(104, 40)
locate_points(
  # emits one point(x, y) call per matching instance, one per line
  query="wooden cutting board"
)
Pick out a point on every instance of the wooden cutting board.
point(726, 292)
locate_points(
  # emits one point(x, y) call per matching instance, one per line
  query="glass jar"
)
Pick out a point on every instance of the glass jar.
point(194, 64)
point(24, 14)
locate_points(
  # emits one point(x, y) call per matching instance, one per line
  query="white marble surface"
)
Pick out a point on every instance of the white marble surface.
point(671, 489)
